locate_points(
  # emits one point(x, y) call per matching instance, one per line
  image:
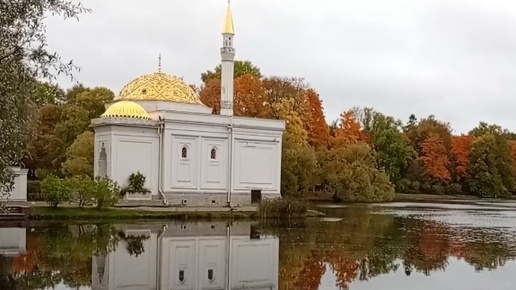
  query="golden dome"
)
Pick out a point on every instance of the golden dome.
point(126, 109)
point(159, 87)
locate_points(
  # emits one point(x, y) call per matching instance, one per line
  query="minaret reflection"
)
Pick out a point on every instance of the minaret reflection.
point(208, 255)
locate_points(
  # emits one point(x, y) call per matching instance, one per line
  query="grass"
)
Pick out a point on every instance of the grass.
point(282, 208)
point(73, 213)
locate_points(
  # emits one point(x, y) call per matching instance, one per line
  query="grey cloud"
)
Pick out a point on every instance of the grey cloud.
point(450, 58)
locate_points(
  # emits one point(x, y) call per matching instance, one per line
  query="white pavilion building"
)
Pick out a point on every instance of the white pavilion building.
point(158, 126)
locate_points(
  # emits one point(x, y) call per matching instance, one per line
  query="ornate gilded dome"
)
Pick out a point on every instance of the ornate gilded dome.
point(159, 87)
point(126, 109)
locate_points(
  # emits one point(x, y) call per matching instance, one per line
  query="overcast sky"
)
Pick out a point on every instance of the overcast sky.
point(454, 59)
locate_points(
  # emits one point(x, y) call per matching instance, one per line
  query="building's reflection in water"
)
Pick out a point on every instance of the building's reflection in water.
point(12, 241)
point(179, 256)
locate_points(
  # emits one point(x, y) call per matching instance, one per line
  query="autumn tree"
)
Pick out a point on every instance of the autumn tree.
point(349, 130)
point(418, 132)
point(278, 89)
point(460, 154)
point(210, 95)
point(241, 68)
point(435, 158)
point(24, 58)
point(315, 122)
point(249, 97)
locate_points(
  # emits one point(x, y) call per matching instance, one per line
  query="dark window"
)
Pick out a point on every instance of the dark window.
point(213, 153)
point(211, 276)
point(182, 276)
point(184, 152)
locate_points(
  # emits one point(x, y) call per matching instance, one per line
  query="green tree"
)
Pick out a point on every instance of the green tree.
point(490, 170)
point(299, 169)
point(241, 68)
point(386, 138)
point(79, 156)
point(40, 153)
point(83, 106)
point(24, 58)
point(48, 93)
point(352, 175)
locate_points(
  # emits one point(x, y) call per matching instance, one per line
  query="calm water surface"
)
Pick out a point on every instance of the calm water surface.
point(384, 246)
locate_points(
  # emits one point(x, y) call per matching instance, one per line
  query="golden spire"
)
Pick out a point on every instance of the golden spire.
point(228, 23)
point(159, 63)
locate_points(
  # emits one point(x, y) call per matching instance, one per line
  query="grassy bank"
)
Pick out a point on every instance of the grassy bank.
point(420, 197)
point(73, 213)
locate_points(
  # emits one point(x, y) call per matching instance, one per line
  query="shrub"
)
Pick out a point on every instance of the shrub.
point(81, 189)
point(402, 185)
point(415, 186)
point(136, 184)
point(438, 189)
point(453, 189)
point(54, 190)
point(34, 190)
point(105, 192)
point(282, 208)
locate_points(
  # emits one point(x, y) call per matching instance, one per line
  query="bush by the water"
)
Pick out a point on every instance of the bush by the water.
point(282, 208)
point(55, 190)
point(102, 192)
point(352, 175)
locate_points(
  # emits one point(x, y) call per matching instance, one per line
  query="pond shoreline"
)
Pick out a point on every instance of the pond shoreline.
point(75, 213)
point(39, 211)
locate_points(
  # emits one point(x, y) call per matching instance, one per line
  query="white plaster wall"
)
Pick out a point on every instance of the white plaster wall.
point(256, 166)
point(12, 241)
point(19, 190)
point(214, 170)
point(197, 173)
point(130, 149)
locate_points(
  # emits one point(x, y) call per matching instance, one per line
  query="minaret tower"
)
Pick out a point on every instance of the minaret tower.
point(227, 53)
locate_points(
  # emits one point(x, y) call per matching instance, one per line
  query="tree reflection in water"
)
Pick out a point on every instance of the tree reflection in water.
point(363, 245)
point(358, 247)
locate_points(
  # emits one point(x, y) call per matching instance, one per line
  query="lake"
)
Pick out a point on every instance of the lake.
point(361, 247)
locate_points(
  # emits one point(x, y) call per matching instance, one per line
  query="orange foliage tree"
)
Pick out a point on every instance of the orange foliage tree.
point(315, 122)
point(210, 95)
point(249, 97)
point(435, 158)
point(512, 143)
point(348, 130)
point(460, 154)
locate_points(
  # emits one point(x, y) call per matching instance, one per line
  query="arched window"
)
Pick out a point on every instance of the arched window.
point(213, 154)
point(182, 277)
point(184, 152)
point(211, 275)
point(102, 162)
